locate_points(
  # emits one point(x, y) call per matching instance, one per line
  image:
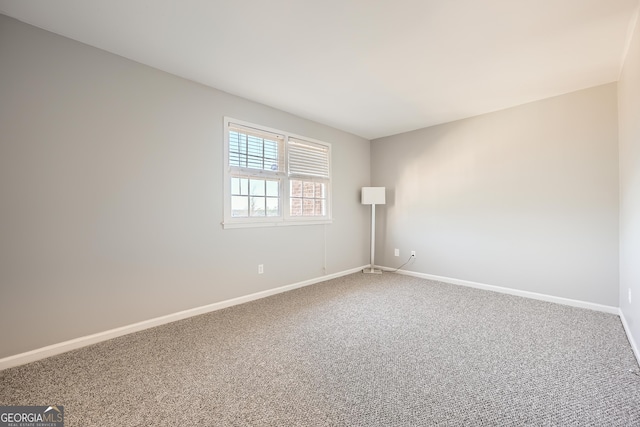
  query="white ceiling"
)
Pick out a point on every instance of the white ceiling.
point(370, 67)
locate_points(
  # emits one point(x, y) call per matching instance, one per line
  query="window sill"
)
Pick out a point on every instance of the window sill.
point(227, 225)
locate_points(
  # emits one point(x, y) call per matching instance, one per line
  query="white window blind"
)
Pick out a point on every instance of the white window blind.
point(308, 159)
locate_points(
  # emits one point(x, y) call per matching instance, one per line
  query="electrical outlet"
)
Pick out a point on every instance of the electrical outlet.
point(260, 268)
point(413, 254)
point(396, 252)
point(629, 295)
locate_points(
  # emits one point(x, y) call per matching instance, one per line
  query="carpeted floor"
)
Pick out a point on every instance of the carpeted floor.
point(361, 350)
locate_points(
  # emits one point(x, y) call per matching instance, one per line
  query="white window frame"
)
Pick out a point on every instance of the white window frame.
point(283, 176)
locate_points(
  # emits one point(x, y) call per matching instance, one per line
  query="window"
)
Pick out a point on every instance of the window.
point(274, 177)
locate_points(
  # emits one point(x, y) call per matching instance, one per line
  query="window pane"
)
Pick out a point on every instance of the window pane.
point(256, 187)
point(255, 162)
point(244, 186)
point(239, 186)
point(235, 186)
point(257, 206)
point(254, 146)
point(237, 149)
point(234, 142)
point(308, 198)
point(273, 188)
point(234, 159)
point(307, 207)
point(296, 188)
point(238, 142)
point(255, 152)
point(270, 155)
point(239, 206)
point(296, 207)
point(273, 206)
point(270, 149)
point(308, 189)
point(271, 164)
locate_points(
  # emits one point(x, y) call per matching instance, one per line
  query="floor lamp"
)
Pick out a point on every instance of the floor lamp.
point(373, 196)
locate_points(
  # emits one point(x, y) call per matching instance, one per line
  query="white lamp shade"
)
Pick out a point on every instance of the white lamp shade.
point(373, 196)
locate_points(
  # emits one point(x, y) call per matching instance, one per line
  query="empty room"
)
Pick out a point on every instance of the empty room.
point(319, 213)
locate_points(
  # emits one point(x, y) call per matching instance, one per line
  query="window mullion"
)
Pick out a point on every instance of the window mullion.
point(246, 151)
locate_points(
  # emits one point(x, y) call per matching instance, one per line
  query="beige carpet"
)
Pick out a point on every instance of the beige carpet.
point(361, 350)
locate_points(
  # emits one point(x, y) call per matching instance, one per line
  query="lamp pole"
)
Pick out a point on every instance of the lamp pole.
point(373, 196)
point(373, 237)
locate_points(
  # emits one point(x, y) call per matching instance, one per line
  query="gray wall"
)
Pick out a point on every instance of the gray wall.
point(629, 117)
point(525, 198)
point(111, 189)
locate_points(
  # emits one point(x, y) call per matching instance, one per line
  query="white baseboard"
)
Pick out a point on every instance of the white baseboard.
point(627, 330)
point(517, 292)
point(54, 349)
